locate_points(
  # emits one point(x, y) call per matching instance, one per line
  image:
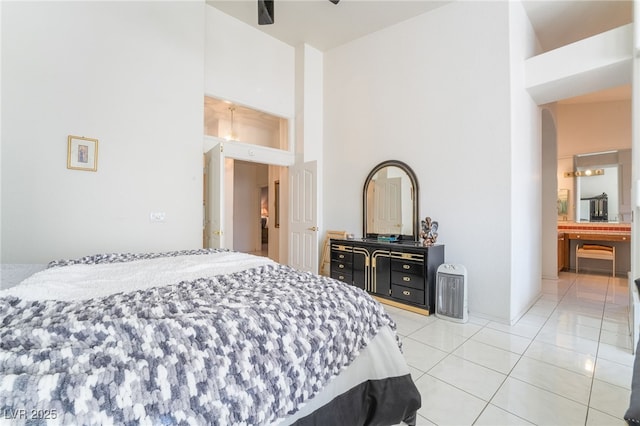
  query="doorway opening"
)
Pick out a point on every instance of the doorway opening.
point(591, 132)
point(250, 211)
point(250, 202)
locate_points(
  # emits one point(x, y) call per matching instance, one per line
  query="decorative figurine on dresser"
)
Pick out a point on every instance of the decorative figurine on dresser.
point(390, 262)
point(429, 233)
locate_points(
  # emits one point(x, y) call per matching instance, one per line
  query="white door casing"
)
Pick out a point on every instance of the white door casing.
point(303, 231)
point(216, 196)
point(206, 203)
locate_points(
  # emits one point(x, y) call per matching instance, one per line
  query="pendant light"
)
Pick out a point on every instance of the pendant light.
point(231, 135)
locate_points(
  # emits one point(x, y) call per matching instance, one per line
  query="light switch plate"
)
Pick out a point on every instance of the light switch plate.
point(157, 216)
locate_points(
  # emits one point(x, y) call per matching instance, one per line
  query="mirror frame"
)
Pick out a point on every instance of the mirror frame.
point(619, 203)
point(414, 182)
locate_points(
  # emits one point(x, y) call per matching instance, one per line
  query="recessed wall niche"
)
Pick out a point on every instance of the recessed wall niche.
point(226, 120)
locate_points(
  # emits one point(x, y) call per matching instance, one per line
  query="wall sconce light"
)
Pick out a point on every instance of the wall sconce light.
point(585, 173)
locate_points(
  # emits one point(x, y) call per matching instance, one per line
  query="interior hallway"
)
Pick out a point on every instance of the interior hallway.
point(567, 361)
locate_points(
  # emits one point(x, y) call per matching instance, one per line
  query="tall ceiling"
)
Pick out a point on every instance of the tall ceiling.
point(324, 25)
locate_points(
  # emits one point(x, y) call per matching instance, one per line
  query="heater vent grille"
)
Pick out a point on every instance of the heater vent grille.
point(451, 293)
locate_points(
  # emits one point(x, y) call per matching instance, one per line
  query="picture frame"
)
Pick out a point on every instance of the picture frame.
point(82, 153)
point(563, 202)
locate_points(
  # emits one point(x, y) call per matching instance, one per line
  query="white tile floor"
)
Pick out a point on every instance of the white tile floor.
point(568, 361)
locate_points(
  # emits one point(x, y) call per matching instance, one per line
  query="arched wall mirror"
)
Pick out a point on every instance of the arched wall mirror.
point(390, 201)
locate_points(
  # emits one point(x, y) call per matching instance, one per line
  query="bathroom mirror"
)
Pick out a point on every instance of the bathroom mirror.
point(390, 201)
point(603, 186)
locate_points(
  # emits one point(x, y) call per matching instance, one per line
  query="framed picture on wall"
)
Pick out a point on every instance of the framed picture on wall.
point(563, 202)
point(82, 153)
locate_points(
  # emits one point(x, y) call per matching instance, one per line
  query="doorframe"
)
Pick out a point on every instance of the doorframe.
point(272, 157)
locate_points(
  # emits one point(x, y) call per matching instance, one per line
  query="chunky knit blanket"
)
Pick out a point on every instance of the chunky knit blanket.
point(246, 348)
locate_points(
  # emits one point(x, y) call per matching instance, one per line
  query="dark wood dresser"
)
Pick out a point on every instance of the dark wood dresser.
point(401, 274)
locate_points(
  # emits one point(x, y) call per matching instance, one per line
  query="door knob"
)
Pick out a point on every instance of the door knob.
point(313, 228)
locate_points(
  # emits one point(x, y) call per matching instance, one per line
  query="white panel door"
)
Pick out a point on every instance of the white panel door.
point(215, 157)
point(303, 240)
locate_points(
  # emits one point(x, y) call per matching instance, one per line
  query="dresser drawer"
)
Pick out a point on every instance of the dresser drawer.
point(407, 266)
point(340, 267)
point(408, 294)
point(342, 276)
point(407, 280)
point(342, 256)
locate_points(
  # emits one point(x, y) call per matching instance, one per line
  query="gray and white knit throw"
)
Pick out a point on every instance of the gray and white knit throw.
point(242, 349)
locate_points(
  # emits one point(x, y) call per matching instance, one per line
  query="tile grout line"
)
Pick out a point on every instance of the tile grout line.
point(595, 364)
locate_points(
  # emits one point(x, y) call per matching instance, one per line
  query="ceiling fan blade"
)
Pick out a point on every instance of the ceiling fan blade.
point(265, 12)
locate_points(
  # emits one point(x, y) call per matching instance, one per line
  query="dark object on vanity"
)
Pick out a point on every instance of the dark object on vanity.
point(401, 273)
point(598, 208)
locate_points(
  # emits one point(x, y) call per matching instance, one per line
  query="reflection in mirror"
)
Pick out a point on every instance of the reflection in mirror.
point(390, 201)
point(602, 180)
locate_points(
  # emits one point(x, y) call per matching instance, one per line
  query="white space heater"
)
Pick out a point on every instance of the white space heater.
point(451, 293)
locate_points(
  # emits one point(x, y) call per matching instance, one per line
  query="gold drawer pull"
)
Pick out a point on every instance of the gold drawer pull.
point(406, 292)
point(406, 278)
point(341, 266)
point(341, 256)
point(341, 277)
point(406, 266)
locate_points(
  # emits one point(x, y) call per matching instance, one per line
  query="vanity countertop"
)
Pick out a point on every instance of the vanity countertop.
point(604, 228)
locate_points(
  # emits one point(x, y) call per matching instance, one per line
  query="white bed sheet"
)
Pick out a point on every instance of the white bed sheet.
point(81, 282)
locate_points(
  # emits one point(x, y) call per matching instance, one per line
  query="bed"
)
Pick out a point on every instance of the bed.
point(198, 337)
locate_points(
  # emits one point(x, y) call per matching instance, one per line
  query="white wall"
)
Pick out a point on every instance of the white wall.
point(593, 127)
point(311, 107)
point(2, 270)
point(434, 92)
point(526, 165)
point(634, 311)
point(245, 66)
point(127, 73)
point(551, 175)
point(309, 122)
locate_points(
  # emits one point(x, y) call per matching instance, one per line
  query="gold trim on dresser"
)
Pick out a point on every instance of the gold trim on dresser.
point(402, 274)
